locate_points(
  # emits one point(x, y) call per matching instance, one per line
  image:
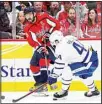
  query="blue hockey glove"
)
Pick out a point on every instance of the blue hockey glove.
point(52, 79)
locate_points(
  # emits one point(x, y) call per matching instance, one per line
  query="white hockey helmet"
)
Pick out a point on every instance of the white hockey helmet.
point(56, 37)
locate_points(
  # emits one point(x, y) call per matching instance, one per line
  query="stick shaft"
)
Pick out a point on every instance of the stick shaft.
point(15, 100)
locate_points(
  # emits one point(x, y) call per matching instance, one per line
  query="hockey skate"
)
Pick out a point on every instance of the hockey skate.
point(36, 85)
point(41, 91)
point(92, 93)
point(60, 95)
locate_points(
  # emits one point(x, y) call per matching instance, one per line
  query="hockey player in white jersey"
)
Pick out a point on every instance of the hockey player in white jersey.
point(72, 58)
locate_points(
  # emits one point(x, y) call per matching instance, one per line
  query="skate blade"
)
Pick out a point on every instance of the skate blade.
point(63, 98)
point(40, 94)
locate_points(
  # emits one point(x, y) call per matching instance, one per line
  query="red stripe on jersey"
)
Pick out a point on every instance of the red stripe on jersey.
point(34, 69)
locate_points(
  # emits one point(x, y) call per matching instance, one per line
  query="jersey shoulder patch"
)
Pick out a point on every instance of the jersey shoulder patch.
point(70, 39)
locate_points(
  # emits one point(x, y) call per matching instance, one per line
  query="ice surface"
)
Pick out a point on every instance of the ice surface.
point(73, 97)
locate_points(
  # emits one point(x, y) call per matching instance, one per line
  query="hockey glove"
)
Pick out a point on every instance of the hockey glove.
point(45, 38)
point(42, 50)
point(52, 79)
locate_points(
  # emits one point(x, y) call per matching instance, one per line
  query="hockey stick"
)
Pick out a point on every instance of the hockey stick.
point(52, 87)
point(16, 100)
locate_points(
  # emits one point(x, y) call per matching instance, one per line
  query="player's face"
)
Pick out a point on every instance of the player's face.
point(71, 14)
point(30, 16)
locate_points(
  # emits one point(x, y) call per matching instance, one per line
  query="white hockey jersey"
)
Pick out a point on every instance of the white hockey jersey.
point(70, 50)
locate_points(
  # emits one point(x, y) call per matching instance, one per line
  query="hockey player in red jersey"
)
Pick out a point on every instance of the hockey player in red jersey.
point(38, 29)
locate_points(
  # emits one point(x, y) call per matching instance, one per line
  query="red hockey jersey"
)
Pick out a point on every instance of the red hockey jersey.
point(93, 31)
point(67, 27)
point(44, 24)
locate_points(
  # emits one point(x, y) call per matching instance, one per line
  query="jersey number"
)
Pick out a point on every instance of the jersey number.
point(59, 57)
point(79, 48)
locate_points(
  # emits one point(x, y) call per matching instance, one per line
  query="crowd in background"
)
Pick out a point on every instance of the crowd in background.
point(89, 17)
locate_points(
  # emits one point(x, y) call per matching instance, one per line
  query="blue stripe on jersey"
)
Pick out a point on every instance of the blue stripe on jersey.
point(59, 68)
point(94, 56)
point(59, 63)
point(66, 80)
point(82, 64)
point(88, 70)
point(81, 72)
point(76, 65)
point(91, 57)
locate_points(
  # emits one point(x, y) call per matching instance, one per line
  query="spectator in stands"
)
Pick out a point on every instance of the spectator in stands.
point(64, 14)
point(46, 6)
point(91, 4)
point(4, 23)
point(20, 23)
point(8, 8)
point(61, 9)
point(54, 8)
point(38, 6)
point(68, 25)
point(23, 5)
point(93, 28)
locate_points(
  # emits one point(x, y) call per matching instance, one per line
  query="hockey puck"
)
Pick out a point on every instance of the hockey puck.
point(2, 97)
point(54, 98)
point(46, 95)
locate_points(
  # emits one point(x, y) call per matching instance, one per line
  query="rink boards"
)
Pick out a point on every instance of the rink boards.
point(15, 72)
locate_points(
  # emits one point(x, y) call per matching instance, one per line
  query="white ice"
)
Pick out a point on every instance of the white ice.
point(73, 97)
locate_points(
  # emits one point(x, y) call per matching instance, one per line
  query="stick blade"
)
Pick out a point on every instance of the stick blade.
point(14, 101)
